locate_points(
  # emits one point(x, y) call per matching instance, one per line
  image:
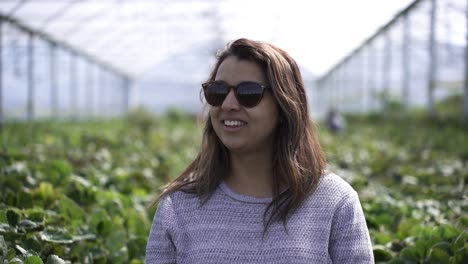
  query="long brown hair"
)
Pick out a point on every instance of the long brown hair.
point(298, 159)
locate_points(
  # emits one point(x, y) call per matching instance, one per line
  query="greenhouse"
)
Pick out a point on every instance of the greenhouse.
point(101, 107)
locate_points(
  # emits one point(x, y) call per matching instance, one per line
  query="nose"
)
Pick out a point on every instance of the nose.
point(230, 103)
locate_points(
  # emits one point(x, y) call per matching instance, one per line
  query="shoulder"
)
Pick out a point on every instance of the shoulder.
point(179, 200)
point(332, 183)
point(331, 191)
point(173, 207)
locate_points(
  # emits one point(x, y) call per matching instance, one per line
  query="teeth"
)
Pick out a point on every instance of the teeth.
point(233, 123)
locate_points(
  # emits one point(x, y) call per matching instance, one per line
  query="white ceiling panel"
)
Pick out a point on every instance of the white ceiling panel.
point(130, 35)
point(116, 31)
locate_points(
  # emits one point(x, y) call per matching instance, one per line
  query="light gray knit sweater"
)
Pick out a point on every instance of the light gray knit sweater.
point(329, 227)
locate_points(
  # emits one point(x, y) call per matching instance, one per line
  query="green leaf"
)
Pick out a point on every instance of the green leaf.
point(382, 254)
point(3, 217)
point(16, 260)
point(438, 256)
point(12, 217)
point(54, 259)
point(70, 209)
point(10, 198)
point(3, 247)
point(410, 254)
point(116, 240)
point(104, 228)
point(461, 255)
point(460, 240)
point(134, 246)
point(462, 222)
point(6, 229)
point(119, 255)
point(448, 232)
point(46, 192)
point(381, 237)
point(136, 222)
point(33, 260)
point(32, 244)
point(62, 167)
point(21, 250)
point(27, 225)
point(25, 199)
point(406, 227)
point(84, 237)
point(59, 236)
point(11, 254)
point(35, 215)
point(100, 222)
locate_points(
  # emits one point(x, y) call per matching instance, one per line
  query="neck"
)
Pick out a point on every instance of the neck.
point(252, 174)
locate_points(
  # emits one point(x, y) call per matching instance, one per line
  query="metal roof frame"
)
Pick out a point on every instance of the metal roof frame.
point(92, 40)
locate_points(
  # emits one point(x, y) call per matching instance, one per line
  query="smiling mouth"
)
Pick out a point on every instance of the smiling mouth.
point(234, 123)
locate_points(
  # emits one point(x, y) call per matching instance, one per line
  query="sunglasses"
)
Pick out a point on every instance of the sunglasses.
point(248, 94)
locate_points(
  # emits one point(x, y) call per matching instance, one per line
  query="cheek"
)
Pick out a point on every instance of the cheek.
point(213, 118)
point(269, 119)
point(273, 114)
point(213, 113)
point(274, 121)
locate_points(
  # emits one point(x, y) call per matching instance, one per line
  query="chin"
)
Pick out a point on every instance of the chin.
point(234, 146)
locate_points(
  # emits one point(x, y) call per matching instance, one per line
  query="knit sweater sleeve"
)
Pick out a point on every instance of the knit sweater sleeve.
point(160, 247)
point(350, 241)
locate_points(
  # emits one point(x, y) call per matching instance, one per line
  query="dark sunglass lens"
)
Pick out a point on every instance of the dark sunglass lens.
point(215, 93)
point(249, 94)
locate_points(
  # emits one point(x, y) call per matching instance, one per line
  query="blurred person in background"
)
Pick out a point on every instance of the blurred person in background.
point(335, 121)
point(258, 191)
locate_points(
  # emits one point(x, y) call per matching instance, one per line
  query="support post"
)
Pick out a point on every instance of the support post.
point(53, 80)
point(89, 88)
point(432, 59)
point(387, 66)
point(102, 93)
point(30, 76)
point(334, 85)
point(2, 121)
point(371, 76)
point(378, 76)
point(126, 95)
point(361, 79)
point(73, 93)
point(465, 103)
point(406, 60)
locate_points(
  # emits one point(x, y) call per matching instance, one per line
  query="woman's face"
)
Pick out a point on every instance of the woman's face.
point(244, 129)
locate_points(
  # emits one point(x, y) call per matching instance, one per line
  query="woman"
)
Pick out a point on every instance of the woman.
point(257, 191)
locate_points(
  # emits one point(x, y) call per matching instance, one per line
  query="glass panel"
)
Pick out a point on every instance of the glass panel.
point(15, 73)
point(63, 83)
point(42, 84)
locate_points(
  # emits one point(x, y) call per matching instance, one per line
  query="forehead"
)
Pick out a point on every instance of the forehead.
point(233, 71)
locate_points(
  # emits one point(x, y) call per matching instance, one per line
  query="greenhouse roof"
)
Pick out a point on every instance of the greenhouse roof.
point(132, 35)
point(120, 33)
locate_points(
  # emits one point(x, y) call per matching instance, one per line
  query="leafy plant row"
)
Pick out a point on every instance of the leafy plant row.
point(78, 192)
point(410, 173)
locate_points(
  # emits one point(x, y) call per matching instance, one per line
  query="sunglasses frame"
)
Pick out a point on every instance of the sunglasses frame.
point(235, 88)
